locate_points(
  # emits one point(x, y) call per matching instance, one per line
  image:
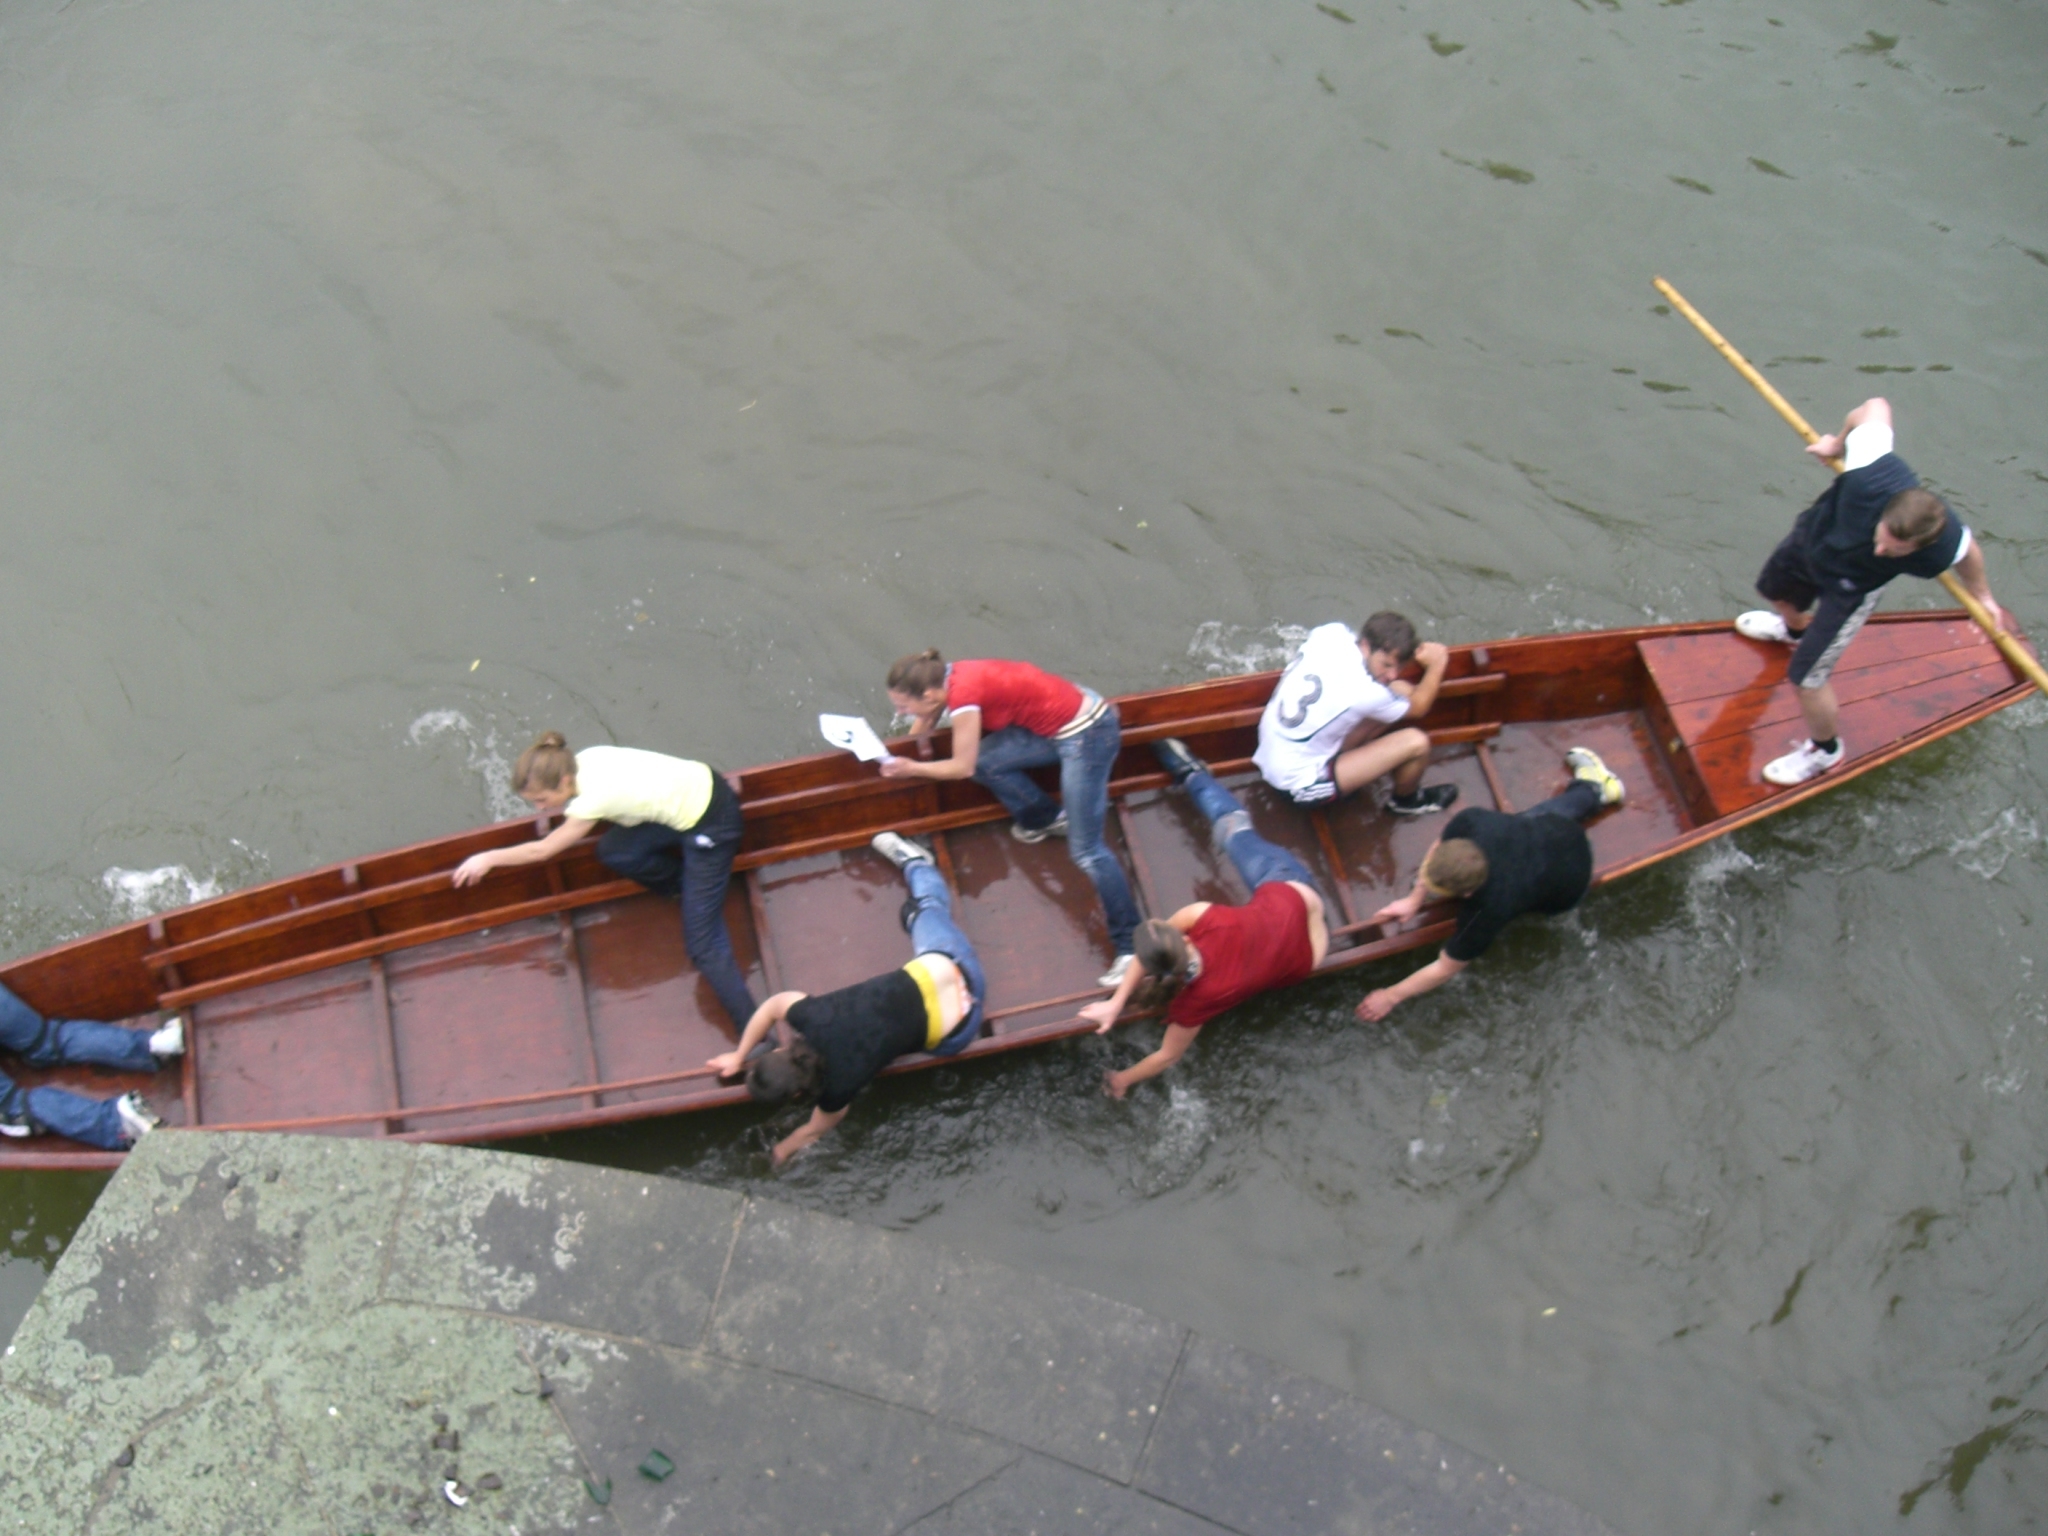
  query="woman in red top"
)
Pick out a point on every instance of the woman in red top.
point(1009, 717)
point(1211, 957)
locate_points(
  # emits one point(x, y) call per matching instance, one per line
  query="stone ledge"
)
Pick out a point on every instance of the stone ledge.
point(272, 1334)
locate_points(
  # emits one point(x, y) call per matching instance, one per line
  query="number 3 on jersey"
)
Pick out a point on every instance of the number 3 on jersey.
point(1298, 690)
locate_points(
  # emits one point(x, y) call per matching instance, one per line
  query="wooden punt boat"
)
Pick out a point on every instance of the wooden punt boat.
point(372, 998)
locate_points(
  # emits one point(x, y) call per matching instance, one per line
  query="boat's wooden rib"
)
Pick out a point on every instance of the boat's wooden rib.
point(375, 998)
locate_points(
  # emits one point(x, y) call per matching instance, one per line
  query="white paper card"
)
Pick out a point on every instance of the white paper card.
point(855, 735)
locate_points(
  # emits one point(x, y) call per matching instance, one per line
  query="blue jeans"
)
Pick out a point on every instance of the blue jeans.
point(695, 865)
point(932, 930)
point(1578, 801)
point(1258, 861)
point(68, 1042)
point(1085, 760)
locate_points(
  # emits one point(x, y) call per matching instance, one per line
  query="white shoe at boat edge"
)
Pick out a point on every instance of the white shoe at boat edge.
point(137, 1118)
point(900, 850)
point(1114, 976)
point(1803, 762)
point(1764, 624)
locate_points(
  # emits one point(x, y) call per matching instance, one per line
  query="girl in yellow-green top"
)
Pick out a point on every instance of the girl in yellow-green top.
point(675, 827)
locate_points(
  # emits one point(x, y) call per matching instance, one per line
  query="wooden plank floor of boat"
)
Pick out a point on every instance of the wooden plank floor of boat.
point(525, 1008)
point(1731, 709)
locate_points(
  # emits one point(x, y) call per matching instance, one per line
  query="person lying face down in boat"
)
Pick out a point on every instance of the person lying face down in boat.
point(1208, 957)
point(843, 1038)
point(1008, 717)
point(109, 1124)
point(675, 827)
point(1500, 866)
point(1327, 728)
point(1874, 522)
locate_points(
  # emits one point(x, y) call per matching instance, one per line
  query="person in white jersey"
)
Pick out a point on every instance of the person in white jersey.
point(674, 827)
point(1327, 730)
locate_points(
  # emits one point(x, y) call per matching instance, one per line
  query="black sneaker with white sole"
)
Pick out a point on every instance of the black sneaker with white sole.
point(1426, 801)
point(1057, 827)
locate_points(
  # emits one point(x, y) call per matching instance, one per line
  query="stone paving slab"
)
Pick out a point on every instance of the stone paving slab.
point(760, 1452)
point(260, 1334)
point(563, 1242)
point(1266, 1452)
point(1059, 1371)
point(1035, 1494)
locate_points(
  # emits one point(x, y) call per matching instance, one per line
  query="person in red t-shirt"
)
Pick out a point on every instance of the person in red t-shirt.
point(1010, 717)
point(1211, 957)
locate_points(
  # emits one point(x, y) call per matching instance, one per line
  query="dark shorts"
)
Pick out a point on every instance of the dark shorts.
point(1838, 610)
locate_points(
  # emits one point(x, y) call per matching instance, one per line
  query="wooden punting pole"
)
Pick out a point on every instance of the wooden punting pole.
point(2013, 651)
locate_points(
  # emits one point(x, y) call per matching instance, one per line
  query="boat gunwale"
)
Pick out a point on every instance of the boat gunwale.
point(597, 1115)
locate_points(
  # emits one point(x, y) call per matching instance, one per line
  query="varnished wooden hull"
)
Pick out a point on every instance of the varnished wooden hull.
point(374, 999)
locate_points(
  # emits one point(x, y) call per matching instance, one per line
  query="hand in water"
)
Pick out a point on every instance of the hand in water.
point(1377, 1005)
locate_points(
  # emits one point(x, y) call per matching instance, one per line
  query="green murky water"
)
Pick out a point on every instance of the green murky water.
point(382, 384)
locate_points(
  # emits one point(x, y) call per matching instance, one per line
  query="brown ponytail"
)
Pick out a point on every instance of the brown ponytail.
point(544, 764)
point(1163, 950)
point(918, 675)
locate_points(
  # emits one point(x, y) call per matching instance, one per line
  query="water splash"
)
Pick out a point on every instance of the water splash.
point(136, 893)
point(1986, 854)
point(1224, 650)
point(1185, 1131)
point(486, 757)
point(2029, 712)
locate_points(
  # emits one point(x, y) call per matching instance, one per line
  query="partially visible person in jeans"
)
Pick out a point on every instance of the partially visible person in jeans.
point(674, 827)
point(1208, 957)
point(1500, 866)
point(843, 1038)
point(1008, 717)
point(109, 1124)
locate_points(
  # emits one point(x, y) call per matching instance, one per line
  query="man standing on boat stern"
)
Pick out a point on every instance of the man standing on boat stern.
point(1500, 866)
point(1009, 717)
point(842, 1039)
point(1822, 581)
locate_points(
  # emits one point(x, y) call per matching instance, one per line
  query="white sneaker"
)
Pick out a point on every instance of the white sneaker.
point(170, 1040)
point(1118, 968)
point(1803, 762)
point(137, 1118)
point(12, 1127)
point(1586, 765)
point(899, 850)
point(1765, 624)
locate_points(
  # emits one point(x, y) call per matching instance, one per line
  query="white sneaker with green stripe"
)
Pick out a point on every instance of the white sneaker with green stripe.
point(1586, 766)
